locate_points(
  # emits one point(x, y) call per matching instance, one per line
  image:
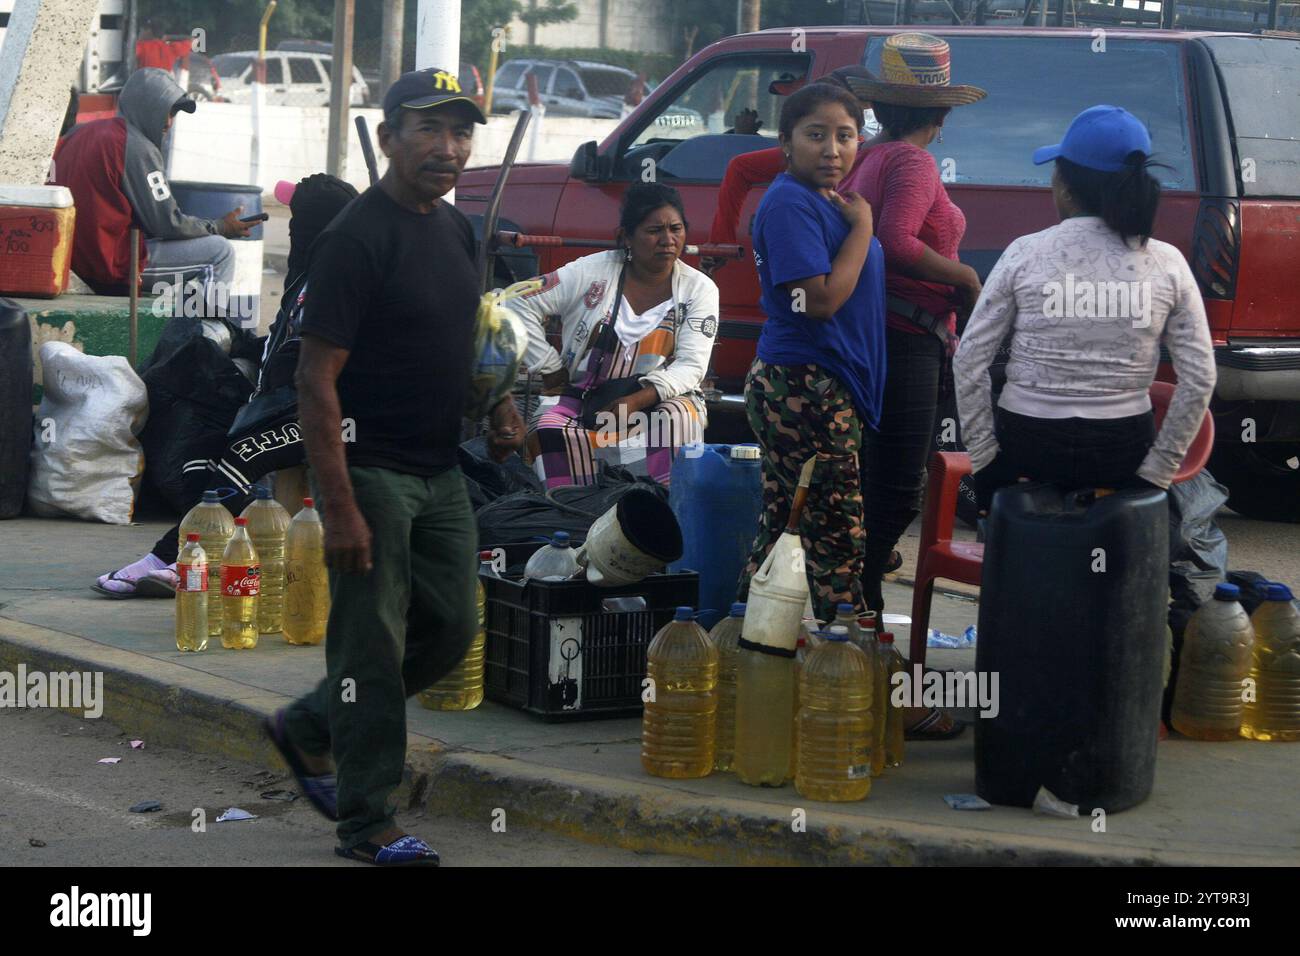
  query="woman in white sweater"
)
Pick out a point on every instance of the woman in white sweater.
point(637, 331)
point(1088, 303)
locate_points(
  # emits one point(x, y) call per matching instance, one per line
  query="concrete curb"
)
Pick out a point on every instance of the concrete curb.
point(172, 705)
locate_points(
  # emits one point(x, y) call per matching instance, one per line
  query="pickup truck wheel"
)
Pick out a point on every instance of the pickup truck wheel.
point(1263, 479)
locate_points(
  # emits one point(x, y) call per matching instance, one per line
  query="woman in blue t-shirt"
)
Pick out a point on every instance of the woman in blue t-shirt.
point(821, 358)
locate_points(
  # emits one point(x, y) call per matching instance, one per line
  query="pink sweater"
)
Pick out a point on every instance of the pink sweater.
point(911, 207)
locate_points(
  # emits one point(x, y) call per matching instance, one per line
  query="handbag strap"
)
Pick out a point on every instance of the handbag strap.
point(613, 314)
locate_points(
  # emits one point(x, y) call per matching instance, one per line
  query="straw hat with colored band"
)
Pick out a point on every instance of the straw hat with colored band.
point(917, 72)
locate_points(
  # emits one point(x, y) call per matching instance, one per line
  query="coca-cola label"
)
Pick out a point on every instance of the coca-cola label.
point(193, 577)
point(239, 580)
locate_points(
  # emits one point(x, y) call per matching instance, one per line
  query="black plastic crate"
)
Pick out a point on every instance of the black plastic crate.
point(556, 649)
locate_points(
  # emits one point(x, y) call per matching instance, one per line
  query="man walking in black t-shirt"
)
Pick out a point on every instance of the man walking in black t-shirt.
point(382, 379)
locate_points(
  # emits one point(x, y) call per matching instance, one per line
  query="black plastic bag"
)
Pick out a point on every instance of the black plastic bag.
point(485, 480)
point(195, 391)
point(1198, 548)
point(528, 515)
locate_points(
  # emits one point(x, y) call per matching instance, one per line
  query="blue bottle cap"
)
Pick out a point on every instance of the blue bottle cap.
point(261, 492)
point(738, 609)
point(1277, 592)
point(844, 609)
point(210, 496)
point(684, 613)
point(560, 539)
point(839, 632)
point(1226, 592)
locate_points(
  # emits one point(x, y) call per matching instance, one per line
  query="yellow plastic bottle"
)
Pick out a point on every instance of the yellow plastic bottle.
point(214, 525)
point(678, 724)
point(835, 687)
point(1215, 660)
point(192, 596)
point(894, 663)
point(879, 702)
point(462, 688)
point(801, 651)
point(1275, 669)
point(725, 637)
point(764, 713)
point(267, 524)
point(306, 580)
point(240, 580)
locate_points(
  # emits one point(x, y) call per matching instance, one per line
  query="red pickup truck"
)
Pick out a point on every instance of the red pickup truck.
point(1224, 116)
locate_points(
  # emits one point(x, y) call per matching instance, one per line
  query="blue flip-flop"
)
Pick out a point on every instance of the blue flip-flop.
point(404, 851)
point(321, 790)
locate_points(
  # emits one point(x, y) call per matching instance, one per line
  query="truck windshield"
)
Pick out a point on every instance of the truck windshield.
point(992, 142)
point(710, 100)
point(1261, 77)
point(231, 64)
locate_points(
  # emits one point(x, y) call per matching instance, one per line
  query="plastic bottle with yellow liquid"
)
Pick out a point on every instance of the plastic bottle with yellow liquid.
point(213, 523)
point(774, 617)
point(834, 725)
point(679, 721)
point(267, 524)
point(306, 580)
point(1274, 714)
point(240, 581)
point(880, 690)
point(803, 647)
point(1215, 659)
point(894, 664)
point(725, 637)
point(192, 596)
point(462, 688)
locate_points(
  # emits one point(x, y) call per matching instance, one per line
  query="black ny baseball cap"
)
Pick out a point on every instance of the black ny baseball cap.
point(425, 89)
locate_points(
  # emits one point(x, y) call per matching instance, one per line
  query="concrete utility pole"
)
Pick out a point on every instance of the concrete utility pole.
point(336, 148)
point(390, 53)
point(437, 35)
point(42, 53)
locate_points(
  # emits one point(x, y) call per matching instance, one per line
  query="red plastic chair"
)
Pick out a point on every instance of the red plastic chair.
point(942, 557)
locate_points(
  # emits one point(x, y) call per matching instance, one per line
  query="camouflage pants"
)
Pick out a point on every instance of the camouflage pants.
point(797, 411)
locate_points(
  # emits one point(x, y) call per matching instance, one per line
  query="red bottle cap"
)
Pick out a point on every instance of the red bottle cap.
point(241, 522)
point(885, 637)
point(193, 536)
point(308, 503)
point(485, 555)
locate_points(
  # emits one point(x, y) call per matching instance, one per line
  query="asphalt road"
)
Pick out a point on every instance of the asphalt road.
point(60, 807)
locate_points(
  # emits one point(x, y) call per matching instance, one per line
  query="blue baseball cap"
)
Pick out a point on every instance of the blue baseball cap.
point(1099, 138)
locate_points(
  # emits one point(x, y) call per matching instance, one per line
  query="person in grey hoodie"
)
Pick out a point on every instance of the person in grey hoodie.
point(115, 171)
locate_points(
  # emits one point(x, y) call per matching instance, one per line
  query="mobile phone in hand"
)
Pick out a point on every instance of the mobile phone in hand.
point(260, 217)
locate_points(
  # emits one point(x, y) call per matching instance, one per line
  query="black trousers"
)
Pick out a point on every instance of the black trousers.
point(1070, 452)
point(894, 456)
point(239, 464)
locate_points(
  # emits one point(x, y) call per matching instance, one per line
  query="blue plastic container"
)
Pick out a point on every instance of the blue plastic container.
point(716, 494)
point(213, 201)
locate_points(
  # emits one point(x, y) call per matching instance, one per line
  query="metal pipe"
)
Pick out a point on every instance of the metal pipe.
point(133, 330)
point(493, 210)
point(367, 149)
point(721, 250)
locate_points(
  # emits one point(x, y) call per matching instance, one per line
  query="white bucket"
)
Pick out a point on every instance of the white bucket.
point(778, 594)
point(633, 539)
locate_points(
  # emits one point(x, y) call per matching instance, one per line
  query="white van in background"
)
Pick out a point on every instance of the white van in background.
point(292, 78)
